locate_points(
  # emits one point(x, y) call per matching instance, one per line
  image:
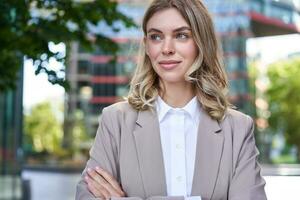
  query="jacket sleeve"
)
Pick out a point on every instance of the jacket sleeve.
point(247, 182)
point(150, 198)
point(166, 198)
point(103, 153)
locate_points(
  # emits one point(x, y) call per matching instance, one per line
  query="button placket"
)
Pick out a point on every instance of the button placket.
point(178, 155)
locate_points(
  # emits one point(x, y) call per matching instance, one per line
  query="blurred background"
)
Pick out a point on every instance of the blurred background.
point(62, 62)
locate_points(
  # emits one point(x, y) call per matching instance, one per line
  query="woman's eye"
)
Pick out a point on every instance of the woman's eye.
point(155, 37)
point(182, 36)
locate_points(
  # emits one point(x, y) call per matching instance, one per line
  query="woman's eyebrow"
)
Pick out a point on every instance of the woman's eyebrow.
point(154, 30)
point(183, 28)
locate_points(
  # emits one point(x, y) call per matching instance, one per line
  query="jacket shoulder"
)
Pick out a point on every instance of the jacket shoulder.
point(238, 120)
point(236, 115)
point(119, 113)
point(119, 107)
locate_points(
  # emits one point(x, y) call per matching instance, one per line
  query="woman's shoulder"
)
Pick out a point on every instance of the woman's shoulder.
point(237, 126)
point(120, 109)
point(238, 118)
point(122, 106)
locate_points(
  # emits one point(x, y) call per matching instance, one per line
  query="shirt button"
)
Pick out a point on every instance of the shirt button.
point(179, 178)
point(178, 146)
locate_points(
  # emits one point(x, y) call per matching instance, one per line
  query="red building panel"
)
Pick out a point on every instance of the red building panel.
point(110, 79)
point(104, 99)
point(272, 21)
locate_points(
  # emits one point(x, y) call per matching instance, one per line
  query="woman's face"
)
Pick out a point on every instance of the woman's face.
point(170, 45)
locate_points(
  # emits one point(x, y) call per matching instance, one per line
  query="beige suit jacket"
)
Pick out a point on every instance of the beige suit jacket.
point(128, 146)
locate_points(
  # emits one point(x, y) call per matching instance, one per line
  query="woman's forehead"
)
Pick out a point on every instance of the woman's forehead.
point(168, 19)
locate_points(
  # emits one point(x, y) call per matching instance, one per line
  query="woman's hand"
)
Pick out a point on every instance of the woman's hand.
point(102, 184)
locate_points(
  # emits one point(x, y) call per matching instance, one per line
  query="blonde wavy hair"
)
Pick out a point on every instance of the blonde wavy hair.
point(206, 73)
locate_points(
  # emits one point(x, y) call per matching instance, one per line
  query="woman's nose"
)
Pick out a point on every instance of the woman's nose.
point(168, 47)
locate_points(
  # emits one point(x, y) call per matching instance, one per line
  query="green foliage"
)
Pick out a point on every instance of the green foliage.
point(253, 75)
point(43, 132)
point(79, 131)
point(27, 26)
point(286, 159)
point(283, 96)
point(81, 141)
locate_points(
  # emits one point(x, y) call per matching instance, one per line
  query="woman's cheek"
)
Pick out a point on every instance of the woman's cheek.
point(153, 52)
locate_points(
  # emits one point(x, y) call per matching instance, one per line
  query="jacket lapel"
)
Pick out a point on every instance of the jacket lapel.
point(209, 150)
point(208, 155)
point(150, 156)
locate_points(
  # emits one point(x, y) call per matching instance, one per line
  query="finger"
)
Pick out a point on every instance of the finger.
point(96, 176)
point(110, 179)
point(92, 188)
point(96, 189)
point(102, 183)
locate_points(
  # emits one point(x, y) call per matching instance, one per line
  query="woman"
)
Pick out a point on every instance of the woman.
point(175, 135)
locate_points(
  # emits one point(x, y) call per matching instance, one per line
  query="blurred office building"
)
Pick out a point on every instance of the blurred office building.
point(11, 123)
point(97, 83)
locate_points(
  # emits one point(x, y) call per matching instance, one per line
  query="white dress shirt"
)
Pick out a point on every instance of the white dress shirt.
point(178, 132)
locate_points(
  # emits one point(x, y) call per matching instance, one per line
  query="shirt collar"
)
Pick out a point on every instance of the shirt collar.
point(192, 108)
point(162, 108)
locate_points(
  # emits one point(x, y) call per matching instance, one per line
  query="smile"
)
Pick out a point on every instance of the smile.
point(169, 64)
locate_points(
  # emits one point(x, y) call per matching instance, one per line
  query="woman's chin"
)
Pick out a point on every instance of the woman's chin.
point(172, 79)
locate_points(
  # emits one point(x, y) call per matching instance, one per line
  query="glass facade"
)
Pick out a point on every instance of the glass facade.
point(109, 81)
point(11, 142)
point(287, 11)
point(232, 24)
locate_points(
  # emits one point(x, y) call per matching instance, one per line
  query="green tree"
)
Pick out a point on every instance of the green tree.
point(43, 131)
point(283, 96)
point(27, 27)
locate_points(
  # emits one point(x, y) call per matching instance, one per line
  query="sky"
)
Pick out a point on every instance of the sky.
point(273, 48)
point(37, 89)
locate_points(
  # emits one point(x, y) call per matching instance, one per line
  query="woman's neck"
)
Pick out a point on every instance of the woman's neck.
point(177, 95)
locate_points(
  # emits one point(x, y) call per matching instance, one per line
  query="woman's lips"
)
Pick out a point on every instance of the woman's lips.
point(169, 64)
